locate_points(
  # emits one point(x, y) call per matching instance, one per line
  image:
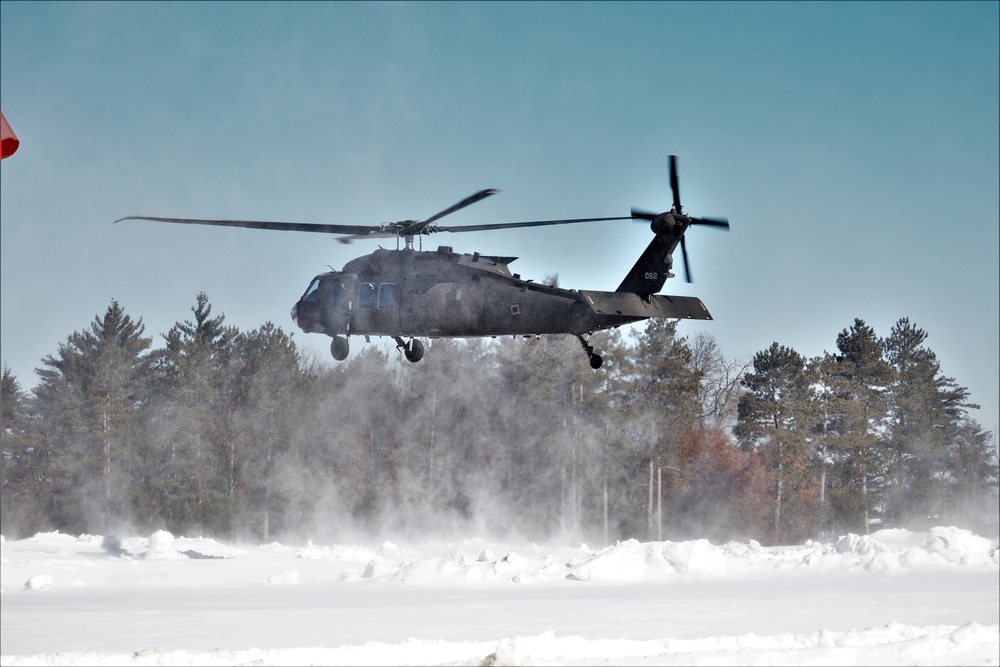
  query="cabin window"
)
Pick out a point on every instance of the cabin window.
point(335, 289)
point(366, 295)
point(387, 295)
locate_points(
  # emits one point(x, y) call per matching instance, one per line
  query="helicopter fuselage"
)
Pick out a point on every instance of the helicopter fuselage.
point(410, 293)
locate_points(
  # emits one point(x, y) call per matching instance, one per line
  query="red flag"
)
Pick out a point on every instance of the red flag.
point(8, 140)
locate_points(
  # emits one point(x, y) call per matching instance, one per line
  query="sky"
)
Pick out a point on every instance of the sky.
point(854, 147)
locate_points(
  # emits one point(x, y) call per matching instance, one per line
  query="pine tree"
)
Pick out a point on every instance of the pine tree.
point(187, 475)
point(864, 378)
point(549, 395)
point(449, 458)
point(88, 402)
point(20, 464)
point(655, 393)
point(973, 467)
point(829, 404)
point(773, 420)
point(920, 400)
point(269, 392)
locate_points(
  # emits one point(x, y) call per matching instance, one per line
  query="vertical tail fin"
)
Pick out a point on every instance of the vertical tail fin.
point(652, 268)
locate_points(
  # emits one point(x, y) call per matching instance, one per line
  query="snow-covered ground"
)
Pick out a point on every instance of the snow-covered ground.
point(895, 597)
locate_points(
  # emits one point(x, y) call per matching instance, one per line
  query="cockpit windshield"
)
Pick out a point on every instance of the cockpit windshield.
point(310, 294)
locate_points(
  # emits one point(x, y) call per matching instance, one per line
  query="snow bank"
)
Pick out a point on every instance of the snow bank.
point(885, 551)
point(633, 560)
point(183, 592)
point(474, 560)
point(890, 550)
point(38, 582)
point(962, 547)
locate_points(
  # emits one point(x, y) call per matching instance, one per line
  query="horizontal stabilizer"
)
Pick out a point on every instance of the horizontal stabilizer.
point(631, 306)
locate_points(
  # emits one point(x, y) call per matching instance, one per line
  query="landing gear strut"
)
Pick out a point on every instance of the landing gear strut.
point(339, 348)
point(595, 359)
point(413, 351)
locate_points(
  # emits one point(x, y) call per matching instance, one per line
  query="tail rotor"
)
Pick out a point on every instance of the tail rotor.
point(662, 223)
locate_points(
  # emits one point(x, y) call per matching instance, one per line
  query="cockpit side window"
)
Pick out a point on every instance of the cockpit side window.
point(366, 295)
point(386, 296)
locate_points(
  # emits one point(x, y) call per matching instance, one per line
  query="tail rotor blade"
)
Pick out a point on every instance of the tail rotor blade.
point(674, 187)
point(711, 222)
point(687, 267)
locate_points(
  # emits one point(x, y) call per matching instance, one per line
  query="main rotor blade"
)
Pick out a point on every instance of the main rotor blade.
point(644, 215)
point(369, 235)
point(472, 199)
point(514, 225)
point(359, 230)
point(674, 187)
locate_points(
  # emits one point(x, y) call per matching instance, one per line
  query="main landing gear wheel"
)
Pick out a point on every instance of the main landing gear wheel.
point(595, 359)
point(339, 348)
point(413, 351)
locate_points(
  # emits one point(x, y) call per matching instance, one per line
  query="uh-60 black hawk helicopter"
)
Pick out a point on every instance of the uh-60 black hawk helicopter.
point(409, 294)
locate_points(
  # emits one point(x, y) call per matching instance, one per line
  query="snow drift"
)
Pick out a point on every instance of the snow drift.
point(893, 597)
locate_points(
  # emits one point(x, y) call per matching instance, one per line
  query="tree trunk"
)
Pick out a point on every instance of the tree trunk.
point(106, 425)
point(781, 482)
point(659, 504)
point(649, 503)
point(864, 488)
point(605, 509)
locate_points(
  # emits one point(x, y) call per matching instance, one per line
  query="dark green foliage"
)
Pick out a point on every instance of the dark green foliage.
point(973, 466)
point(87, 416)
point(189, 466)
point(774, 420)
point(865, 378)
point(880, 436)
point(22, 462)
point(922, 406)
point(230, 433)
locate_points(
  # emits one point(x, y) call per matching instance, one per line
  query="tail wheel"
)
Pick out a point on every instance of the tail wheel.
point(595, 359)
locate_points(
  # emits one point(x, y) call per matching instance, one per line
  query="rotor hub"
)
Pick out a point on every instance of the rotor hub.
point(666, 222)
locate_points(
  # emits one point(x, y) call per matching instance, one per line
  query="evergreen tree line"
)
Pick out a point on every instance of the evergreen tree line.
point(235, 434)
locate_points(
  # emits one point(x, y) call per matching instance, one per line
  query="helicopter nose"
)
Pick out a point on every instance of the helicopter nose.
point(295, 313)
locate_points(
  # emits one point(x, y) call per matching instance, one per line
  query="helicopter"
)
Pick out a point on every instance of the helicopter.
point(409, 294)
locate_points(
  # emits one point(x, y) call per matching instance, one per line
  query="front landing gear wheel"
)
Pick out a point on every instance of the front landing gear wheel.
point(339, 348)
point(413, 351)
point(596, 361)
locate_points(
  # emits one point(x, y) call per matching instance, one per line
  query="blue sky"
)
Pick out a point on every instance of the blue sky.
point(853, 146)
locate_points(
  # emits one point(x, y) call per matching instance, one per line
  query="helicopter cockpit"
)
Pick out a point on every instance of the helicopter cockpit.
point(316, 311)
